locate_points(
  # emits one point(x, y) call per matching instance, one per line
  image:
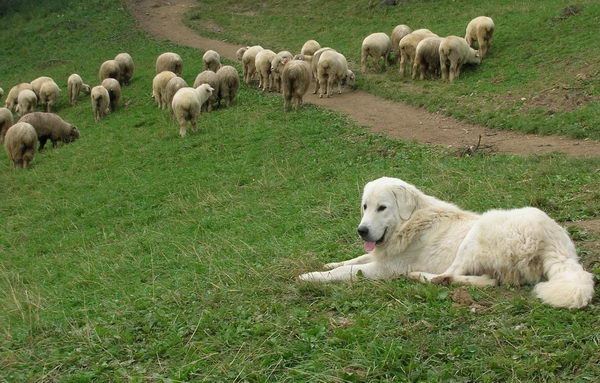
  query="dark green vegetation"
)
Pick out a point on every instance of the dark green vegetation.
point(135, 255)
point(540, 76)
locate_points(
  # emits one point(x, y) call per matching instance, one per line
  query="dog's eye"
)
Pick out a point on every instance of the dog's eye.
point(365, 207)
point(381, 208)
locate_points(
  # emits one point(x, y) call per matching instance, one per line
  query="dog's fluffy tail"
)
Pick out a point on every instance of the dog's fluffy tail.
point(568, 286)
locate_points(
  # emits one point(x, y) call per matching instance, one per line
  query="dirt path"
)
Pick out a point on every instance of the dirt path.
point(165, 19)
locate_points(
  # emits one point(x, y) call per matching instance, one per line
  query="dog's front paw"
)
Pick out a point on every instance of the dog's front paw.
point(333, 265)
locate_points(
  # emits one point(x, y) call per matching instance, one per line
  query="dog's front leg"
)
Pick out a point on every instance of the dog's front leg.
point(346, 273)
point(365, 258)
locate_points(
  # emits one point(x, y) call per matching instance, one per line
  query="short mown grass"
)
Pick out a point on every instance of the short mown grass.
point(541, 75)
point(133, 255)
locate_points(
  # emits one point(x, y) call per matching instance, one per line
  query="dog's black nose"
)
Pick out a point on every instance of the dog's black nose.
point(363, 231)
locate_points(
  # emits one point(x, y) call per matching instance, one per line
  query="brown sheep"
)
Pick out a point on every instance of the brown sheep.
point(19, 143)
point(49, 126)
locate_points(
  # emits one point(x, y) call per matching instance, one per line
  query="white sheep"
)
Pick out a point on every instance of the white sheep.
point(480, 29)
point(229, 83)
point(6, 121)
point(248, 62)
point(75, 85)
point(169, 61)
point(13, 95)
point(171, 88)
point(239, 54)
point(454, 52)
point(126, 67)
point(427, 58)
point(314, 65)
point(159, 83)
point(262, 63)
point(26, 102)
point(398, 33)
point(49, 93)
point(310, 47)
point(209, 77)
point(295, 80)
point(114, 91)
point(100, 102)
point(20, 142)
point(110, 69)
point(36, 84)
point(333, 69)
point(187, 105)
point(408, 48)
point(377, 46)
point(212, 60)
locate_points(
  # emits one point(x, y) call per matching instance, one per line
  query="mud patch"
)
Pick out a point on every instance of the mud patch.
point(559, 99)
point(567, 12)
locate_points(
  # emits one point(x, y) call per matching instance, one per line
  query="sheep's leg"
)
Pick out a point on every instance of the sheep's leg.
point(363, 61)
point(453, 70)
point(194, 125)
point(322, 84)
point(339, 84)
point(415, 70)
point(286, 103)
point(402, 63)
point(317, 85)
point(42, 143)
point(330, 83)
point(482, 46)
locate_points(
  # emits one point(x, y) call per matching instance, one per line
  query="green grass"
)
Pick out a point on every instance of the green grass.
point(133, 255)
point(540, 76)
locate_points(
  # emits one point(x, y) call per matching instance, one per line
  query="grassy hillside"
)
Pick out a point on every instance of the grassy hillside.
point(540, 76)
point(133, 255)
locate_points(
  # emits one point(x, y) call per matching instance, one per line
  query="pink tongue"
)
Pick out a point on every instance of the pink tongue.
point(369, 245)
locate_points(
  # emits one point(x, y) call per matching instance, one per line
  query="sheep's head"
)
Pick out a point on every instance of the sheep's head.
point(72, 134)
point(240, 53)
point(205, 89)
point(350, 79)
point(85, 88)
point(299, 57)
point(475, 57)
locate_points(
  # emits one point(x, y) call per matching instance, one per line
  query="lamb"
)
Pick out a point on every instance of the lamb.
point(310, 47)
point(377, 46)
point(100, 102)
point(171, 88)
point(6, 121)
point(408, 48)
point(248, 62)
point(209, 77)
point(110, 69)
point(126, 67)
point(481, 29)
point(187, 104)
point(212, 61)
point(49, 93)
point(239, 54)
point(169, 62)
point(398, 33)
point(277, 67)
point(229, 83)
point(262, 63)
point(114, 92)
point(49, 126)
point(159, 83)
point(427, 58)
point(295, 80)
point(19, 143)
point(454, 52)
point(26, 102)
point(36, 84)
point(314, 65)
point(333, 69)
point(12, 97)
point(75, 85)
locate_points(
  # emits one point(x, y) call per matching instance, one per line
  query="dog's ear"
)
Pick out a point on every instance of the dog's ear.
point(406, 201)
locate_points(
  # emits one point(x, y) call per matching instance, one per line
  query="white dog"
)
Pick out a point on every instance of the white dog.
point(407, 232)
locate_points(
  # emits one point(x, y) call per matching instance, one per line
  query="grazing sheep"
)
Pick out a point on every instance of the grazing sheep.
point(454, 52)
point(114, 92)
point(49, 126)
point(169, 62)
point(75, 85)
point(427, 58)
point(295, 80)
point(212, 61)
point(248, 62)
point(187, 105)
point(310, 47)
point(239, 54)
point(209, 77)
point(277, 67)
point(36, 84)
point(171, 88)
point(6, 121)
point(13, 95)
point(126, 67)
point(110, 69)
point(229, 83)
point(159, 83)
point(377, 46)
point(480, 29)
point(26, 102)
point(262, 63)
point(333, 69)
point(100, 102)
point(397, 34)
point(49, 93)
point(19, 143)
point(314, 66)
point(408, 48)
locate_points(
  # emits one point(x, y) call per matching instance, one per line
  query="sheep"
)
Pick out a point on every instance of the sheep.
point(239, 54)
point(75, 85)
point(377, 46)
point(229, 83)
point(159, 83)
point(171, 88)
point(209, 77)
point(295, 80)
point(114, 91)
point(169, 62)
point(1, 93)
point(49, 126)
point(110, 69)
point(454, 52)
point(212, 61)
point(187, 105)
point(408, 48)
point(36, 84)
point(333, 69)
point(310, 47)
point(398, 33)
point(49, 93)
point(248, 62)
point(100, 102)
point(480, 29)
point(277, 67)
point(26, 102)
point(12, 97)
point(6, 121)
point(126, 67)
point(427, 58)
point(19, 143)
point(262, 63)
point(314, 65)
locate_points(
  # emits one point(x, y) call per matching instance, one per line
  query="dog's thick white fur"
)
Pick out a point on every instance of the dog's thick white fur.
point(410, 233)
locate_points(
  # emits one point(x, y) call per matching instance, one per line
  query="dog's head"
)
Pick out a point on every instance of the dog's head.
point(386, 202)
